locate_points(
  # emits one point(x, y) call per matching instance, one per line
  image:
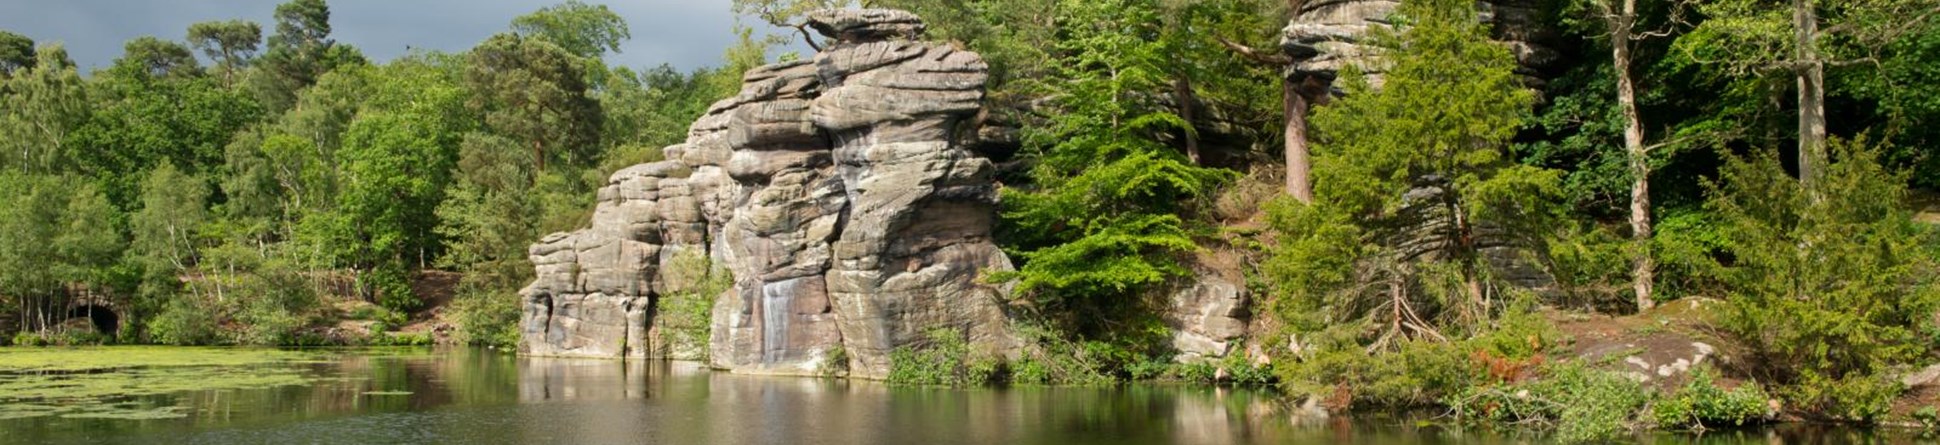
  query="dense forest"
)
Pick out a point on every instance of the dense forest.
point(1765, 158)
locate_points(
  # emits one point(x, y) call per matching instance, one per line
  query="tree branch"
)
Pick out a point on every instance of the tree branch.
point(1255, 55)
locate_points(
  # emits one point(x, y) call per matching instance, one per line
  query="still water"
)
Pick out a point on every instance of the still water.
point(472, 396)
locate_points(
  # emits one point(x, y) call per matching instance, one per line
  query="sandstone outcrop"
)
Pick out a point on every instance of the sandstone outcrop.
point(1327, 36)
point(837, 190)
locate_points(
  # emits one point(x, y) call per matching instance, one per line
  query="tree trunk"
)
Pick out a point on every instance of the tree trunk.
point(1643, 266)
point(1299, 163)
point(1811, 75)
point(1182, 91)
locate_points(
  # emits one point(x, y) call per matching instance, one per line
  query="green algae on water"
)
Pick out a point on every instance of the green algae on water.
point(88, 382)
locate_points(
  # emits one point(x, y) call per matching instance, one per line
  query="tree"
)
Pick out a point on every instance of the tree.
point(55, 231)
point(1620, 19)
point(16, 53)
point(1101, 219)
point(1801, 38)
point(300, 52)
point(139, 122)
point(1415, 182)
point(1831, 282)
point(587, 31)
point(148, 57)
point(229, 44)
point(1297, 94)
point(535, 92)
point(43, 105)
point(174, 206)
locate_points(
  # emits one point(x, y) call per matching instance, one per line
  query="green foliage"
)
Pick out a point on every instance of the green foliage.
point(685, 311)
point(1101, 219)
point(1581, 404)
point(585, 30)
point(1417, 373)
point(945, 360)
point(230, 43)
point(16, 53)
point(1057, 360)
point(1853, 398)
point(534, 92)
point(184, 321)
point(1370, 258)
point(1700, 403)
point(1687, 245)
point(1830, 285)
point(398, 339)
point(40, 105)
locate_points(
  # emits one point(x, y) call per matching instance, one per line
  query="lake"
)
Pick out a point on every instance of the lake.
point(222, 396)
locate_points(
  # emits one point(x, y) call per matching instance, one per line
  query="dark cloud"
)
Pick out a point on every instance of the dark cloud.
point(685, 33)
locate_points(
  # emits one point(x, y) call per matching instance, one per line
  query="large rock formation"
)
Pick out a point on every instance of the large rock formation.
point(1329, 35)
point(835, 190)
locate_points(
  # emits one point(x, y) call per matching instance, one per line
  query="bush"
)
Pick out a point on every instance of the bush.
point(1579, 403)
point(946, 361)
point(184, 322)
point(1830, 284)
point(399, 339)
point(391, 288)
point(1700, 403)
point(1415, 374)
point(488, 317)
point(29, 339)
point(1421, 373)
point(1058, 360)
point(1857, 398)
point(685, 313)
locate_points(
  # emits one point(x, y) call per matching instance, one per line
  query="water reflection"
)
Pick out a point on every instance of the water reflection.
point(481, 397)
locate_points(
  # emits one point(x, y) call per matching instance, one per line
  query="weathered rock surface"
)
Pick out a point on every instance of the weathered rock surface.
point(1330, 35)
point(835, 190)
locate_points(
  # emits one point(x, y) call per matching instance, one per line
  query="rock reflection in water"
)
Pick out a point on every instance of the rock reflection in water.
point(466, 396)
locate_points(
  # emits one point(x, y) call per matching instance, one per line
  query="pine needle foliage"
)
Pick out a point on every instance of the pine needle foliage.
point(1830, 285)
point(1415, 179)
point(1103, 216)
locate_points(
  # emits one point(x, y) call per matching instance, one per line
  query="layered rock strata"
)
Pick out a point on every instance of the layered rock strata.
point(1327, 36)
point(837, 192)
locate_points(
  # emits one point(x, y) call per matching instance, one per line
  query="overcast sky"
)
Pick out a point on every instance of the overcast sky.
point(685, 33)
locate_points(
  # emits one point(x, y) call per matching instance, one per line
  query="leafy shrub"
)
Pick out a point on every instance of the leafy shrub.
point(399, 339)
point(946, 361)
point(184, 322)
point(1855, 398)
point(391, 288)
point(29, 339)
point(1830, 283)
point(1700, 403)
point(488, 318)
point(1414, 374)
point(685, 312)
point(1686, 245)
point(1591, 266)
point(1420, 373)
point(1579, 403)
point(1058, 359)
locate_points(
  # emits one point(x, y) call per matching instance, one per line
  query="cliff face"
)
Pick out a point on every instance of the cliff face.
point(834, 189)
